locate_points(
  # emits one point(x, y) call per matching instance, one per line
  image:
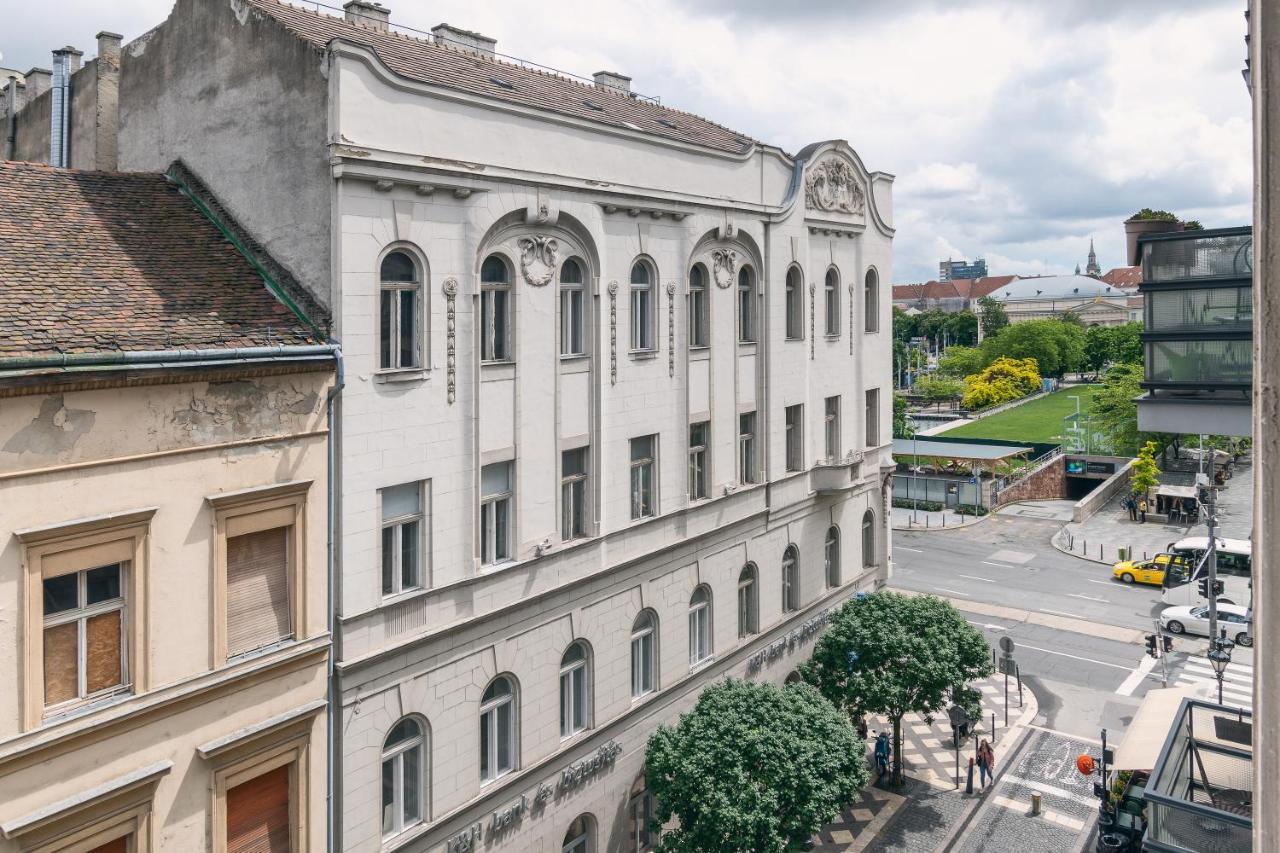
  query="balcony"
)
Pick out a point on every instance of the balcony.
point(1200, 795)
point(1198, 336)
point(835, 475)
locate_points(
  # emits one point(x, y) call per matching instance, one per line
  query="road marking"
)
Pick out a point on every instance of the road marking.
point(987, 625)
point(1107, 583)
point(1089, 597)
point(905, 548)
point(998, 565)
point(1063, 613)
point(1052, 790)
point(976, 578)
point(952, 591)
point(1135, 678)
point(1067, 735)
point(1074, 657)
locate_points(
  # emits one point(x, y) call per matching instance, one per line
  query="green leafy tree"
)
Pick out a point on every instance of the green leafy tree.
point(961, 361)
point(1098, 348)
point(1057, 347)
point(1114, 410)
point(1145, 474)
point(753, 767)
point(904, 325)
point(1126, 343)
point(962, 328)
point(893, 654)
point(1003, 380)
point(902, 427)
point(991, 315)
point(937, 388)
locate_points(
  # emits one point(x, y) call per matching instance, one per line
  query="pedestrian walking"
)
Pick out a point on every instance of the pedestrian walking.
point(862, 727)
point(986, 764)
point(1142, 511)
point(1130, 504)
point(883, 753)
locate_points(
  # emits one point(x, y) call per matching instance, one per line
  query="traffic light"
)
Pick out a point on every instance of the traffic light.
point(1151, 645)
point(1203, 584)
point(1218, 588)
point(1168, 643)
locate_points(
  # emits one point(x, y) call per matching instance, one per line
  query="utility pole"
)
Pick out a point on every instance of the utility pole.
point(1211, 559)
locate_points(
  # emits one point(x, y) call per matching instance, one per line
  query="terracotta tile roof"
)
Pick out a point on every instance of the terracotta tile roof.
point(103, 262)
point(443, 65)
point(1124, 277)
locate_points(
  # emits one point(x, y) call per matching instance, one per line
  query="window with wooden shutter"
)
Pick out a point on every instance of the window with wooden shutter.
point(258, 814)
point(258, 604)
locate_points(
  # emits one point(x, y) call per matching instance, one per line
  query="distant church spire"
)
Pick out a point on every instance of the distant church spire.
point(1092, 267)
point(1077, 269)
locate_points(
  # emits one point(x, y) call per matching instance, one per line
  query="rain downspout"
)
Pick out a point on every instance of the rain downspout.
point(11, 135)
point(334, 590)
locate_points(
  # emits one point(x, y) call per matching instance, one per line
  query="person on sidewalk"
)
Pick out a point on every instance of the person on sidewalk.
point(1142, 511)
point(883, 752)
point(986, 764)
point(1130, 504)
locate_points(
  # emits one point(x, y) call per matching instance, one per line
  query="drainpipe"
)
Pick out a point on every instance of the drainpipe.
point(86, 361)
point(11, 136)
point(334, 593)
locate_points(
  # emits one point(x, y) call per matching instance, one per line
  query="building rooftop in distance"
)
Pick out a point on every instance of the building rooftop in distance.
point(96, 262)
point(1055, 287)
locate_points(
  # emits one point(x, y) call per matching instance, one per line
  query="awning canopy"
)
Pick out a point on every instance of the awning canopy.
point(1146, 735)
point(955, 449)
point(1177, 491)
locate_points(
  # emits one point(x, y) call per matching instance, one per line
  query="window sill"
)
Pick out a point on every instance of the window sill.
point(88, 707)
point(793, 340)
point(747, 346)
point(407, 374)
point(643, 354)
point(702, 664)
point(699, 353)
point(491, 371)
point(832, 336)
point(575, 364)
point(403, 596)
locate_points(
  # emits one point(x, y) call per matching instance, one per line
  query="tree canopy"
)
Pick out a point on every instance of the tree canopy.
point(1106, 345)
point(1145, 474)
point(960, 361)
point(991, 315)
point(1056, 346)
point(1114, 410)
point(1003, 380)
point(892, 654)
point(753, 767)
point(937, 387)
point(902, 427)
point(940, 327)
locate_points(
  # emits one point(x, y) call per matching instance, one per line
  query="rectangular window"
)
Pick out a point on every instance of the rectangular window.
point(747, 447)
point(573, 323)
point(84, 636)
point(398, 324)
point(495, 323)
point(495, 513)
point(403, 523)
point(642, 660)
point(699, 633)
point(642, 316)
point(643, 469)
point(873, 417)
point(795, 438)
point(832, 306)
point(698, 460)
point(794, 306)
point(699, 310)
point(258, 605)
point(746, 605)
point(642, 809)
point(831, 428)
point(573, 494)
point(746, 307)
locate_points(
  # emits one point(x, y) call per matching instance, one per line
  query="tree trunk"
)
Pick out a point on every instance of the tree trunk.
point(895, 777)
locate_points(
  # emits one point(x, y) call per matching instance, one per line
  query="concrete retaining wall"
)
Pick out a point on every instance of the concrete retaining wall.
point(1098, 498)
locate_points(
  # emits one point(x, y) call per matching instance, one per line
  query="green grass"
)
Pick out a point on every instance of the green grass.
point(1039, 420)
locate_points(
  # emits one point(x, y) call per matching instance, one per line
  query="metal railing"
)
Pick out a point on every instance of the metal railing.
point(1000, 484)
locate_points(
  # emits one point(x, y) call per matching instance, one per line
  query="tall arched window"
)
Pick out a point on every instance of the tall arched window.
point(746, 304)
point(795, 304)
point(644, 654)
point(403, 777)
point(871, 302)
point(580, 837)
point(574, 691)
point(399, 310)
point(573, 309)
point(495, 310)
point(868, 539)
point(699, 626)
point(643, 306)
point(497, 729)
point(831, 307)
point(831, 554)
point(790, 580)
point(699, 308)
point(748, 602)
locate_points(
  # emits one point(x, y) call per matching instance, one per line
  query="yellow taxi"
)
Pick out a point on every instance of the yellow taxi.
point(1141, 571)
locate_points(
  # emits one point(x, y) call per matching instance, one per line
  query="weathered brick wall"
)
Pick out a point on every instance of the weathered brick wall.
point(1048, 482)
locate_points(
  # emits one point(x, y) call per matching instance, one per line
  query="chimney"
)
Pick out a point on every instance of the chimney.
point(476, 43)
point(37, 80)
point(613, 81)
point(66, 62)
point(106, 124)
point(375, 16)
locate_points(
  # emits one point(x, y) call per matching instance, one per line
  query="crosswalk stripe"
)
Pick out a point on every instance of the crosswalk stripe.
point(1206, 671)
point(1235, 695)
point(1240, 668)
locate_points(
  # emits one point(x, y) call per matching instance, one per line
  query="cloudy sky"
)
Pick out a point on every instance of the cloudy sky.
point(1018, 129)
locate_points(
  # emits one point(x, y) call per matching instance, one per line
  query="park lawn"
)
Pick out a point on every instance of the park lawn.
point(1040, 420)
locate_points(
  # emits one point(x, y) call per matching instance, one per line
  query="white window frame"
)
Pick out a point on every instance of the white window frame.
point(640, 810)
point(872, 414)
point(793, 313)
point(746, 305)
point(575, 503)
point(575, 684)
point(495, 341)
point(395, 755)
point(831, 427)
point(793, 418)
point(748, 468)
point(831, 557)
point(644, 479)
point(699, 308)
point(393, 340)
point(700, 640)
point(748, 601)
point(831, 307)
point(644, 655)
point(489, 525)
point(489, 715)
point(699, 476)
point(573, 312)
point(643, 308)
point(80, 616)
point(871, 301)
point(868, 540)
point(790, 579)
point(398, 524)
point(582, 842)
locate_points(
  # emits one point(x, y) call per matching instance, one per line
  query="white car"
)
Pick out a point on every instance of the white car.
point(1195, 620)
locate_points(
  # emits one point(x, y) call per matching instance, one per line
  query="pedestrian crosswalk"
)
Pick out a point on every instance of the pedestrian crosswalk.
point(1237, 682)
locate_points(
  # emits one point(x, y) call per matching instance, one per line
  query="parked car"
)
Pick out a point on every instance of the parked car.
point(1195, 620)
point(1141, 571)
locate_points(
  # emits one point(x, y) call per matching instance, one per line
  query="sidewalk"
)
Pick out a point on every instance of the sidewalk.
point(919, 519)
point(877, 821)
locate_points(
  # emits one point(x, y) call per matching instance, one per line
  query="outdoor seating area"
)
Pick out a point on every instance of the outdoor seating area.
point(950, 473)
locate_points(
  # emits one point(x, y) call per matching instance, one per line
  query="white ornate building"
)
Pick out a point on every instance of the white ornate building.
point(617, 406)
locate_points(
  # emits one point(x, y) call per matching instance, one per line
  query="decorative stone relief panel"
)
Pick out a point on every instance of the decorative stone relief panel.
point(812, 299)
point(539, 257)
point(851, 296)
point(613, 333)
point(671, 329)
point(723, 264)
point(832, 185)
point(450, 288)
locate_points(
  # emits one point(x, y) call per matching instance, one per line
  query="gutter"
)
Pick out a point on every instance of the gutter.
point(93, 361)
point(334, 499)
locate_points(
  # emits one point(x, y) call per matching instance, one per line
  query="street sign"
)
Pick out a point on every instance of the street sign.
point(1006, 645)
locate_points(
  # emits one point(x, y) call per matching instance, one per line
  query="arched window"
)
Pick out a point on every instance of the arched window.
point(495, 310)
point(832, 305)
point(403, 777)
point(643, 306)
point(831, 554)
point(795, 305)
point(497, 729)
point(871, 302)
point(699, 308)
point(748, 602)
point(574, 690)
point(573, 309)
point(746, 304)
point(699, 626)
point(868, 539)
point(644, 654)
point(790, 580)
point(581, 836)
point(399, 310)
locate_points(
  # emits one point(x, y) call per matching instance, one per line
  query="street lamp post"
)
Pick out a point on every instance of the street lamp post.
point(1219, 657)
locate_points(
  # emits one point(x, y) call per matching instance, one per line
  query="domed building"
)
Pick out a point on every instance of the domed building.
point(1095, 302)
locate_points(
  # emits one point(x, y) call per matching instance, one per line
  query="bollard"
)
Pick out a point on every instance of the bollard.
point(1035, 803)
point(968, 786)
point(1100, 557)
point(993, 727)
